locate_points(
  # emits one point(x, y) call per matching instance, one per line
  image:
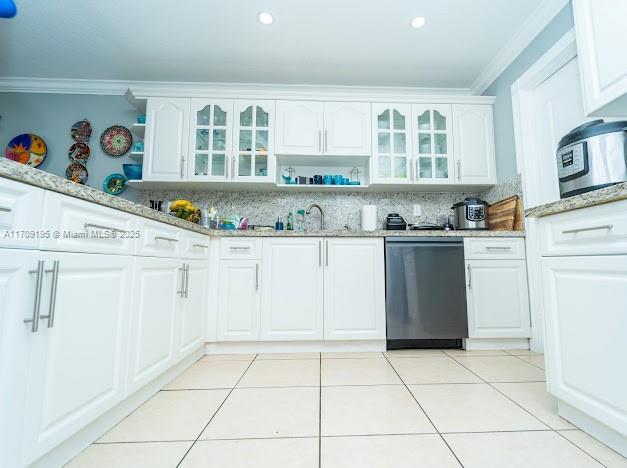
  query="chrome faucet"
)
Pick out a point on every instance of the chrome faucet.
point(315, 205)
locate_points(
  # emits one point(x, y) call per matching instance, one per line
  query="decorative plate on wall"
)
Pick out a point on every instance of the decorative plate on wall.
point(81, 131)
point(114, 184)
point(79, 152)
point(76, 172)
point(27, 149)
point(116, 140)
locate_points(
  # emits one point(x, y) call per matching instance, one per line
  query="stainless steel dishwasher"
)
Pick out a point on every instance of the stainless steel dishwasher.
point(425, 292)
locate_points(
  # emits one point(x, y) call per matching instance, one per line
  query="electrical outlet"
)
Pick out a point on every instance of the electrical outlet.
point(417, 210)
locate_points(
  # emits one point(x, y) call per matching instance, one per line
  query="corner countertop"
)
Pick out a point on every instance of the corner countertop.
point(28, 175)
point(596, 197)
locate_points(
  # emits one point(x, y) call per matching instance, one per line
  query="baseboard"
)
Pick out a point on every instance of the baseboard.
point(485, 344)
point(596, 429)
point(244, 347)
point(69, 449)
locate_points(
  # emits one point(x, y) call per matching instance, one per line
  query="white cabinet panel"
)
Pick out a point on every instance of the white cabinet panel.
point(239, 300)
point(167, 139)
point(491, 248)
point(20, 209)
point(159, 239)
point(79, 358)
point(473, 133)
point(586, 324)
point(354, 289)
point(292, 287)
point(347, 128)
point(498, 299)
point(299, 126)
point(240, 248)
point(193, 307)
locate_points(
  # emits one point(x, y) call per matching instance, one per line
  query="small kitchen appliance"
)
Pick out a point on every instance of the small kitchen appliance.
point(471, 213)
point(592, 156)
point(395, 222)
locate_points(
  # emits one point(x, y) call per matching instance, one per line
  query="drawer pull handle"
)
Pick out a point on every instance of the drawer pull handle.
point(6, 209)
point(169, 239)
point(34, 321)
point(469, 277)
point(53, 293)
point(498, 248)
point(595, 228)
point(100, 226)
point(202, 246)
point(240, 249)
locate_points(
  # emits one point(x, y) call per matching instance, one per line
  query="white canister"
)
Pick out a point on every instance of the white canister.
point(369, 218)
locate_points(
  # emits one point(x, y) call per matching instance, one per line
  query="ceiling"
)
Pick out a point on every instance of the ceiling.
point(326, 42)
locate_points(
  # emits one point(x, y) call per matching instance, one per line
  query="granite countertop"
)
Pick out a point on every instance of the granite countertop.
point(596, 197)
point(47, 181)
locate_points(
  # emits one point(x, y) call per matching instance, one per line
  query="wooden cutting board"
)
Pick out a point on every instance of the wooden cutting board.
point(506, 215)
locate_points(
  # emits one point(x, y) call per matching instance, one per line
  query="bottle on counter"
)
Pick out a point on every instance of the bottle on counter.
point(290, 221)
point(278, 226)
point(299, 224)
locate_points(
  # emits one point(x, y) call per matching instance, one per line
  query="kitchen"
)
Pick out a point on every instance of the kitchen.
point(281, 263)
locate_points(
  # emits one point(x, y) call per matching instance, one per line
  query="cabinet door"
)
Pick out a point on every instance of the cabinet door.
point(239, 300)
point(193, 307)
point(211, 126)
point(254, 133)
point(20, 209)
point(586, 325)
point(391, 143)
point(78, 361)
point(433, 143)
point(601, 38)
point(354, 289)
point(167, 138)
point(157, 297)
point(498, 299)
point(299, 127)
point(347, 129)
point(292, 285)
point(473, 132)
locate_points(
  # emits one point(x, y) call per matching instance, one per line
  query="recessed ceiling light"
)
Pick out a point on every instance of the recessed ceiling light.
point(265, 18)
point(418, 22)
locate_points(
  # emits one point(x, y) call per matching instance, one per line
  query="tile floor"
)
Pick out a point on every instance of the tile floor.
point(396, 409)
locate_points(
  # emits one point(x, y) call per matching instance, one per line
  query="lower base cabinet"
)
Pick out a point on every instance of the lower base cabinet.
point(239, 300)
point(193, 308)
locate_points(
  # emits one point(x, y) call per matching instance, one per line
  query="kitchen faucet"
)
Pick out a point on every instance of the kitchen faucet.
point(315, 205)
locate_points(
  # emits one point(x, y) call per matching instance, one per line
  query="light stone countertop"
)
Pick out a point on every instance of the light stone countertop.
point(596, 197)
point(47, 181)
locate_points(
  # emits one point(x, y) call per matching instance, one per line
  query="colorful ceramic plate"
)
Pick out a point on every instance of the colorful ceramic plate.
point(114, 184)
point(79, 152)
point(27, 149)
point(76, 172)
point(81, 131)
point(116, 140)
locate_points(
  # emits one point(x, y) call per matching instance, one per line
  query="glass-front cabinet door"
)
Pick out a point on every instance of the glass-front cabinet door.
point(391, 143)
point(433, 143)
point(254, 146)
point(211, 127)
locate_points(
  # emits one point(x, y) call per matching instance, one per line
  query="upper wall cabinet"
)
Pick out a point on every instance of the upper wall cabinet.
point(254, 146)
point(391, 162)
point(316, 128)
point(433, 143)
point(601, 39)
point(473, 134)
point(167, 137)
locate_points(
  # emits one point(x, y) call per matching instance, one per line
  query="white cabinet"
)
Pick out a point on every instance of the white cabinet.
point(299, 126)
point(167, 139)
point(292, 288)
point(497, 299)
point(253, 152)
point(347, 128)
point(193, 307)
point(585, 302)
point(20, 210)
point(391, 143)
point(354, 289)
point(239, 300)
point(79, 353)
point(601, 39)
point(433, 144)
point(473, 134)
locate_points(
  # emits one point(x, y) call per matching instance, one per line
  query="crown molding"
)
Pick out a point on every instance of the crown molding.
point(533, 25)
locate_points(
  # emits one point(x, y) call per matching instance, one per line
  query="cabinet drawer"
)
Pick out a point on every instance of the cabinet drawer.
point(86, 227)
point(20, 209)
point(597, 230)
point(159, 240)
point(484, 248)
point(240, 247)
point(195, 245)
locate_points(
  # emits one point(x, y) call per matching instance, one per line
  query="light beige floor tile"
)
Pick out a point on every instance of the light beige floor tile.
point(428, 370)
point(267, 412)
point(463, 352)
point(257, 453)
point(209, 374)
point(518, 450)
point(347, 355)
point(472, 408)
point(374, 409)
point(596, 449)
point(264, 356)
point(502, 368)
point(535, 360)
point(168, 416)
point(520, 352)
point(414, 353)
point(391, 451)
point(282, 373)
point(228, 357)
point(140, 455)
point(534, 398)
point(358, 372)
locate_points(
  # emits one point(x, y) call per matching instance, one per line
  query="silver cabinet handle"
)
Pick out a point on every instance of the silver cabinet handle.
point(326, 252)
point(595, 228)
point(320, 253)
point(459, 169)
point(492, 247)
point(182, 166)
point(34, 321)
point(202, 246)
point(469, 277)
point(320, 141)
point(181, 292)
point(256, 277)
point(86, 226)
point(239, 249)
point(169, 239)
point(233, 167)
point(6, 209)
point(187, 280)
point(53, 293)
point(326, 146)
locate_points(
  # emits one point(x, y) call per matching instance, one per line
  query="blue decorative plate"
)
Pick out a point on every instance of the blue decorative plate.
point(114, 184)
